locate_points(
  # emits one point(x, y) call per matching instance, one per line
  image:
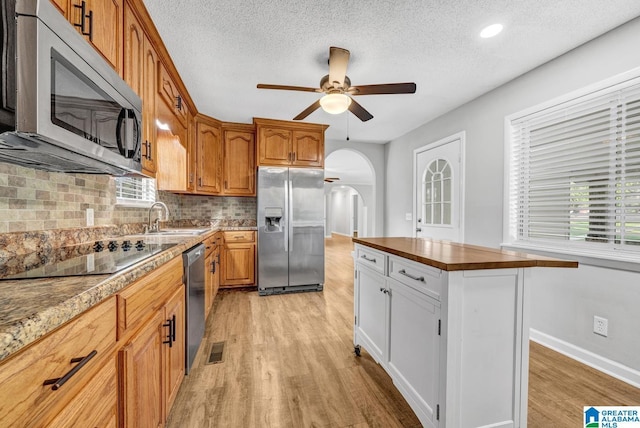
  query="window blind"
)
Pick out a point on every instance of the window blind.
point(574, 175)
point(134, 191)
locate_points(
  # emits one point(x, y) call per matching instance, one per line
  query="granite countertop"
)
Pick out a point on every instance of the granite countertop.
point(452, 256)
point(31, 308)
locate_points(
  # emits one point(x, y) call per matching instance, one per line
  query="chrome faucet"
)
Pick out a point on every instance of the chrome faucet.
point(154, 227)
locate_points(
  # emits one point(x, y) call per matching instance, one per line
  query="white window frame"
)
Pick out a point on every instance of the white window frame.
point(589, 254)
point(145, 195)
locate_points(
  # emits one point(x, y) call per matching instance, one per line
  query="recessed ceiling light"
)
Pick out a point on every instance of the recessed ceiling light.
point(491, 31)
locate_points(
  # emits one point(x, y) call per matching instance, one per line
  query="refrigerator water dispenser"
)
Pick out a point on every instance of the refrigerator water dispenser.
point(273, 219)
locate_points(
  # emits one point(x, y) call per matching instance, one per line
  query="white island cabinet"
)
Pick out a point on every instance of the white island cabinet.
point(449, 323)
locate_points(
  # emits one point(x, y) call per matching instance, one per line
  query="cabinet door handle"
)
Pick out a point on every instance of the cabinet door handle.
point(149, 151)
point(173, 328)
point(415, 278)
point(83, 17)
point(213, 267)
point(171, 337)
point(179, 102)
point(57, 383)
point(364, 256)
point(294, 156)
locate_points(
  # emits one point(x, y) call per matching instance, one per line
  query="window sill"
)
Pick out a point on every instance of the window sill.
point(622, 261)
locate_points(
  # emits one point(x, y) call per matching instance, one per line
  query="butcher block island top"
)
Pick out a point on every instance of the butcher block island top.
point(453, 256)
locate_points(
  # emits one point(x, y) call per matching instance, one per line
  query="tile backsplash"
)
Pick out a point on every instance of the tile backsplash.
point(33, 200)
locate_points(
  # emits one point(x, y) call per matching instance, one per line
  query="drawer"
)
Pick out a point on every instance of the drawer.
point(423, 278)
point(239, 236)
point(371, 258)
point(24, 399)
point(96, 405)
point(145, 297)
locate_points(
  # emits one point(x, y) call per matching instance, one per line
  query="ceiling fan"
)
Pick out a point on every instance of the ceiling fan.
point(338, 90)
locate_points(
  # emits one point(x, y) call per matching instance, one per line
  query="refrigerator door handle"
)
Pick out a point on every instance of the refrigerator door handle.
point(290, 212)
point(286, 214)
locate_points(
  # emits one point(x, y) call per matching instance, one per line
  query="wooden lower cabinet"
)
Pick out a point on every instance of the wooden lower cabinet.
point(151, 365)
point(129, 351)
point(212, 271)
point(140, 370)
point(96, 405)
point(174, 355)
point(238, 259)
point(24, 399)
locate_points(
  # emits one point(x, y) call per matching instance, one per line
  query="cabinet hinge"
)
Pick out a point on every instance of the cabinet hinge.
point(437, 412)
point(439, 327)
point(355, 320)
point(355, 274)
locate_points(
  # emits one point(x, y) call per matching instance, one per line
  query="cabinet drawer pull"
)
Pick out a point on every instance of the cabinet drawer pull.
point(238, 237)
point(415, 278)
point(364, 256)
point(57, 383)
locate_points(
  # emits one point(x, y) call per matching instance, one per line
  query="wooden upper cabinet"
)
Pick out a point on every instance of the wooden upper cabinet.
point(63, 7)
point(209, 155)
point(169, 92)
point(139, 71)
point(274, 146)
point(282, 143)
point(134, 43)
point(149, 108)
point(192, 166)
point(239, 160)
point(308, 148)
point(103, 23)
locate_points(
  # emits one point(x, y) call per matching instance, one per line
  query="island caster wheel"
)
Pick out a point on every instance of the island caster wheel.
point(356, 350)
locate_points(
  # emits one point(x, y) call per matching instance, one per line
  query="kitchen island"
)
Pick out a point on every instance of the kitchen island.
point(449, 322)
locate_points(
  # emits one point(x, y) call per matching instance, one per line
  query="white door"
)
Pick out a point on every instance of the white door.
point(438, 192)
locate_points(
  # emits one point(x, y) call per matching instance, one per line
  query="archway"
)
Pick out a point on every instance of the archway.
point(350, 193)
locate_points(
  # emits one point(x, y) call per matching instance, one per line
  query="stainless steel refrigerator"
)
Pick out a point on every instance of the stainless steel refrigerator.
point(290, 230)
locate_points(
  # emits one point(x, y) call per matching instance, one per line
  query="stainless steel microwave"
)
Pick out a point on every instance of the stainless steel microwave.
point(73, 112)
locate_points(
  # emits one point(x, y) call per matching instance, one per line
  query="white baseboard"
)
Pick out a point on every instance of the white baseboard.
point(600, 363)
point(341, 234)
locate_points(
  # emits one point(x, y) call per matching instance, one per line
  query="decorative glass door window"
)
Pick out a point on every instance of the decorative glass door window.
point(436, 191)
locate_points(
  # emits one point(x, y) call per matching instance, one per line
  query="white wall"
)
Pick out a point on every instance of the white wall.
point(564, 301)
point(340, 208)
point(375, 153)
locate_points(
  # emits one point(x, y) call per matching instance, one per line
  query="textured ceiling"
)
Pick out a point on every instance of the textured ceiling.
point(223, 48)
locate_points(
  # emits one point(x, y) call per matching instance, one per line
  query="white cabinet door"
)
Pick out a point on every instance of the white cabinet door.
point(414, 349)
point(371, 313)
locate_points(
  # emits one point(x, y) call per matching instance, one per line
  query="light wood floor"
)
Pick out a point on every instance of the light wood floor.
point(288, 362)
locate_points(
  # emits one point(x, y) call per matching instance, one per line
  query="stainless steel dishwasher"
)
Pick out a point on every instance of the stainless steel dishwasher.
point(193, 261)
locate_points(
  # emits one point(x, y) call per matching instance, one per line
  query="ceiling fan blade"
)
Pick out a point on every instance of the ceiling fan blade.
point(359, 111)
point(338, 60)
point(288, 88)
point(313, 107)
point(387, 88)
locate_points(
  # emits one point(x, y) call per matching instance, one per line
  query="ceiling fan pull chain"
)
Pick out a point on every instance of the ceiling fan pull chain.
point(347, 126)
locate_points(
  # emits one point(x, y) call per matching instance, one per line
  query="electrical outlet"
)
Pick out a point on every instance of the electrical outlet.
point(600, 326)
point(408, 216)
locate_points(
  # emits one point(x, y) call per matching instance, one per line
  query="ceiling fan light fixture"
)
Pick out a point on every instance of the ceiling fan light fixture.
point(335, 103)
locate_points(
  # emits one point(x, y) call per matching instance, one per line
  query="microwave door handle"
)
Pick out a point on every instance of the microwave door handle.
point(137, 140)
point(121, 117)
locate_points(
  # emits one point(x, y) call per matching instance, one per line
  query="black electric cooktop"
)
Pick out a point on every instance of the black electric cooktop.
point(100, 257)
